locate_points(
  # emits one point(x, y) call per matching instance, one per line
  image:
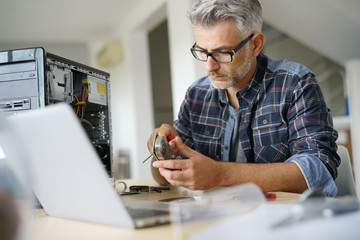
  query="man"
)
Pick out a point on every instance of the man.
point(252, 119)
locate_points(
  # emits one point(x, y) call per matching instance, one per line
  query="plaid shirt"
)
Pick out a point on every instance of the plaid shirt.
point(283, 118)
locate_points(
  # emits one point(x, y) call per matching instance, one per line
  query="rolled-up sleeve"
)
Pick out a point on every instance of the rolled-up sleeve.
point(315, 173)
point(312, 136)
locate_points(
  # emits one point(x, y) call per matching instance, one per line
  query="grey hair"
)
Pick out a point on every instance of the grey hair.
point(247, 14)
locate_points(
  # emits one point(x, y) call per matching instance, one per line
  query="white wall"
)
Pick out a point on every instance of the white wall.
point(131, 97)
point(329, 26)
point(76, 51)
point(353, 82)
point(184, 68)
point(131, 90)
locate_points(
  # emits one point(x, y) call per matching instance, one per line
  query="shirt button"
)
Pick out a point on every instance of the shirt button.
point(264, 121)
point(226, 147)
point(232, 116)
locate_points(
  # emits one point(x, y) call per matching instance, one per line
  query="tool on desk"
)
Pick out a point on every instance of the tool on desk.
point(161, 149)
point(139, 188)
point(313, 204)
point(159, 189)
point(128, 193)
point(270, 196)
point(178, 199)
point(147, 189)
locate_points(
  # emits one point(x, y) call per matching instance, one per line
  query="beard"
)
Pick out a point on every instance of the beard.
point(233, 79)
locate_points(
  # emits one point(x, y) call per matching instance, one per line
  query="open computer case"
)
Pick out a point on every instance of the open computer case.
point(33, 78)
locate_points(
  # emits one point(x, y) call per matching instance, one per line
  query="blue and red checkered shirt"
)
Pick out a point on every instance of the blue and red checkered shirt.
point(283, 117)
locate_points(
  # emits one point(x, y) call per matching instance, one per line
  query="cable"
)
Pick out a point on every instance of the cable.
point(91, 126)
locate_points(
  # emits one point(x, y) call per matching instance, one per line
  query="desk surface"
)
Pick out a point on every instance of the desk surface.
point(45, 227)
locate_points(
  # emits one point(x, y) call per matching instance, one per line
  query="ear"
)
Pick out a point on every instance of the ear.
point(258, 41)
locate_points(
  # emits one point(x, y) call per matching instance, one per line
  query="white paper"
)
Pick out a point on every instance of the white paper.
point(258, 225)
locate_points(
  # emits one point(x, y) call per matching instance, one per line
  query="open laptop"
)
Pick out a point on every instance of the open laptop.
point(67, 176)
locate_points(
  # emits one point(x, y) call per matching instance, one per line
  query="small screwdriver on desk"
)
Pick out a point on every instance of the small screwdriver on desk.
point(169, 138)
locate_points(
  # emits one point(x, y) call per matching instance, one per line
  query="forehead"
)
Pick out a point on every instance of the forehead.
point(224, 33)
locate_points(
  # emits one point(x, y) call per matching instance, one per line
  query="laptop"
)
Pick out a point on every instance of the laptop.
point(67, 175)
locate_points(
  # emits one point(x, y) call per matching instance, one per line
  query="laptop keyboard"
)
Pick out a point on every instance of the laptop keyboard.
point(145, 213)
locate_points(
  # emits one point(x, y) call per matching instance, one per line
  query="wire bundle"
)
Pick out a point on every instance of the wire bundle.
point(80, 105)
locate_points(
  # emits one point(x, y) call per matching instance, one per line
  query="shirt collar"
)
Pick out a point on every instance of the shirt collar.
point(222, 96)
point(251, 90)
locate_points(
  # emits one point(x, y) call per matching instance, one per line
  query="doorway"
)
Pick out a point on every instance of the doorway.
point(160, 74)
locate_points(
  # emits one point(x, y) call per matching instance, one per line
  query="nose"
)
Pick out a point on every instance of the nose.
point(211, 65)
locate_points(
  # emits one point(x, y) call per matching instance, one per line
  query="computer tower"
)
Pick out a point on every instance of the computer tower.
point(33, 78)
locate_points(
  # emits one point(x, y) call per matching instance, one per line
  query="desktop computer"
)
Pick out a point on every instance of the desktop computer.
point(33, 78)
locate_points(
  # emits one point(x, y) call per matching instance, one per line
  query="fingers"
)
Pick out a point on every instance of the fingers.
point(176, 172)
point(178, 178)
point(166, 130)
point(174, 175)
point(173, 147)
point(188, 152)
point(170, 164)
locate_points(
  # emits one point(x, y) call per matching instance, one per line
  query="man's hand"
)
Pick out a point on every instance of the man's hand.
point(199, 172)
point(196, 173)
point(164, 130)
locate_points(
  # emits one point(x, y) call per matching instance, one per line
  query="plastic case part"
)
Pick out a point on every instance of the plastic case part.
point(214, 207)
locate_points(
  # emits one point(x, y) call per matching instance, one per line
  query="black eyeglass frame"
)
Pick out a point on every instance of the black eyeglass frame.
point(231, 53)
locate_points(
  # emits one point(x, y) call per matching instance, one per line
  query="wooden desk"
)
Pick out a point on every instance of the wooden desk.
point(45, 227)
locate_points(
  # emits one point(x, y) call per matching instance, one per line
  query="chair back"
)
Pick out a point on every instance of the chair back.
point(345, 179)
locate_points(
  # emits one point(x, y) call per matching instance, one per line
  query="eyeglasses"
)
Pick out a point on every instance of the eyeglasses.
point(220, 57)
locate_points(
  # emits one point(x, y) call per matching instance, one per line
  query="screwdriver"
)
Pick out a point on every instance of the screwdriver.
point(170, 137)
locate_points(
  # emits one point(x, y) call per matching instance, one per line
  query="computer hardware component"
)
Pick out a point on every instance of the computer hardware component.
point(33, 78)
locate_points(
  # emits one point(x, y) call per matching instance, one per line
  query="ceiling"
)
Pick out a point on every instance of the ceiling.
point(330, 26)
point(61, 21)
